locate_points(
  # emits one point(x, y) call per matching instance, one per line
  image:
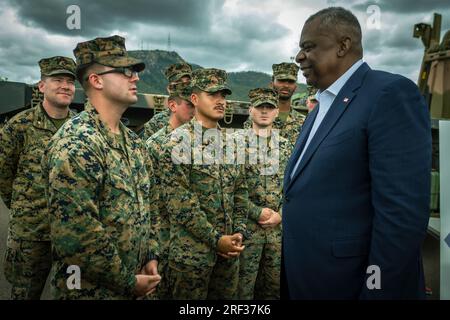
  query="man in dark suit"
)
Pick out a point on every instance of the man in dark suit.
point(356, 189)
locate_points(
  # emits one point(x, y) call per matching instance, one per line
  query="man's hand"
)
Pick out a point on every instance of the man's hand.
point(230, 246)
point(265, 214)
point(272, 222)
point(151, 268)
point(146, 284)
point(237, 242)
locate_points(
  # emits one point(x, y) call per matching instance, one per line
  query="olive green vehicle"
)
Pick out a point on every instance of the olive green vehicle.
point(434, 77)
point(16, 97)
point(434, 84)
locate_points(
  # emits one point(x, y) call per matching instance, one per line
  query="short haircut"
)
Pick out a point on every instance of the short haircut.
point(82, 74)
point(343, 22)
point(175, 98)
point(197, 90)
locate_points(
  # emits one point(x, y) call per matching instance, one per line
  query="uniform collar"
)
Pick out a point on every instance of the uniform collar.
point(290, 118)
point(111, 138)
point(43, 121)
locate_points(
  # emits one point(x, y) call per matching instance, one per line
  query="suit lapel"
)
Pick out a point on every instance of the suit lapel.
point(340, 104)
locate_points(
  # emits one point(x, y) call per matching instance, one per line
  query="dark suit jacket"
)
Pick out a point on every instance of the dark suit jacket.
point(361, 194)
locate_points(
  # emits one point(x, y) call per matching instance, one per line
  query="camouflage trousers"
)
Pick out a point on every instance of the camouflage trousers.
point(27, 265)
point(219, 282)
point(163, 289)
point(259, 272)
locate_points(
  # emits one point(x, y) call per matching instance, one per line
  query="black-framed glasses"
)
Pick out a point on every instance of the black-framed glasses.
point(127, 72)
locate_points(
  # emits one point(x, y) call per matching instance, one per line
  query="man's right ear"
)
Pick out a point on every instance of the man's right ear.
point(194, 99)
point(41, 85)
point(95, 81)
point(171, 104)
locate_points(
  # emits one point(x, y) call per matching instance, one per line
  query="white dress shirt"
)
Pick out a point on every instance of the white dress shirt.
point(326, 99)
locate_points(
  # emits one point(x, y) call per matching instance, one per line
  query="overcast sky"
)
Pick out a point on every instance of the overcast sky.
point(235, 35)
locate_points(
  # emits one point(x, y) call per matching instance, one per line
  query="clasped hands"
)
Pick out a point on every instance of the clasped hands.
point(269, 218)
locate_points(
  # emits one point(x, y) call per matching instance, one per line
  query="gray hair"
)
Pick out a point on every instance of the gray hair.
point(343, 22)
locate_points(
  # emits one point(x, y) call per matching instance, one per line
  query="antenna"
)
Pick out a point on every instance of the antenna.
point(169, 43)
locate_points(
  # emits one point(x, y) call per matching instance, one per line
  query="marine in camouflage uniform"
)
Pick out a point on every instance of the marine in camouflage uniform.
point(175, 73)
point(154, 147)
point(291, 126)
point(22, 144)
point(260, 262)
point(207, 202)
point(99, 193)
point(311, 100)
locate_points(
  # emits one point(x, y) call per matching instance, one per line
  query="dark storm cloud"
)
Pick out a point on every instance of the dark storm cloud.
point(202, 32)
point(229, 42)
point(228, 34)
point(102, 15)
point(404, 6)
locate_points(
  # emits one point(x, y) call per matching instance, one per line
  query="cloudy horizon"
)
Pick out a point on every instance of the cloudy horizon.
point(235, 35)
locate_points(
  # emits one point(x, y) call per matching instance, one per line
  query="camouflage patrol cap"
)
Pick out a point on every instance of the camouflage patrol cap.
point(57, 65)
point(311, 92)
point(210, 80)
point(285, 71)
point(181, 90)
point(261, 96)
point(178, 70)
point(110, 52)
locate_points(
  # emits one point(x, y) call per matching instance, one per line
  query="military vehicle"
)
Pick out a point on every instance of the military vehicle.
point(434, 84)
point(435, 70)
point(17, 97)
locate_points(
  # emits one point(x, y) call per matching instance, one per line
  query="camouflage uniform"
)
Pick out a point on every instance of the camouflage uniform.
point(204, 201)
point(99, 196)
point(289, 129)
point(22, 143)
point(260, 262)
point(173, 73)
point(156, 123)
point(154, 147)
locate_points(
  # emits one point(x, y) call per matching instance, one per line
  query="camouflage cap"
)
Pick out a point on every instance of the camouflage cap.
point(57, 65)
point(210, 80)
point(261, 96)
point(108, 51)
point(311, 92)
point(285, 71)
point(181, 90)
point(178, 70)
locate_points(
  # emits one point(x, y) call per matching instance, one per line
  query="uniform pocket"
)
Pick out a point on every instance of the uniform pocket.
point(121, 183)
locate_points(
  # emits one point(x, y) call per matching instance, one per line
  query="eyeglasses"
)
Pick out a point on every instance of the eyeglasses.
point(127, 72)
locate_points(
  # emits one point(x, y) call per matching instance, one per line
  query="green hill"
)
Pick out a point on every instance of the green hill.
point(156, 61)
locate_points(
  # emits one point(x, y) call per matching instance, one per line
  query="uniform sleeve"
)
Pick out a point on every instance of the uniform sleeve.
point(154, 209)
point(147, 132)
point(241, 202)
point(75, 178)
point(10, 142)
point(254, 211)
point(183, 204)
